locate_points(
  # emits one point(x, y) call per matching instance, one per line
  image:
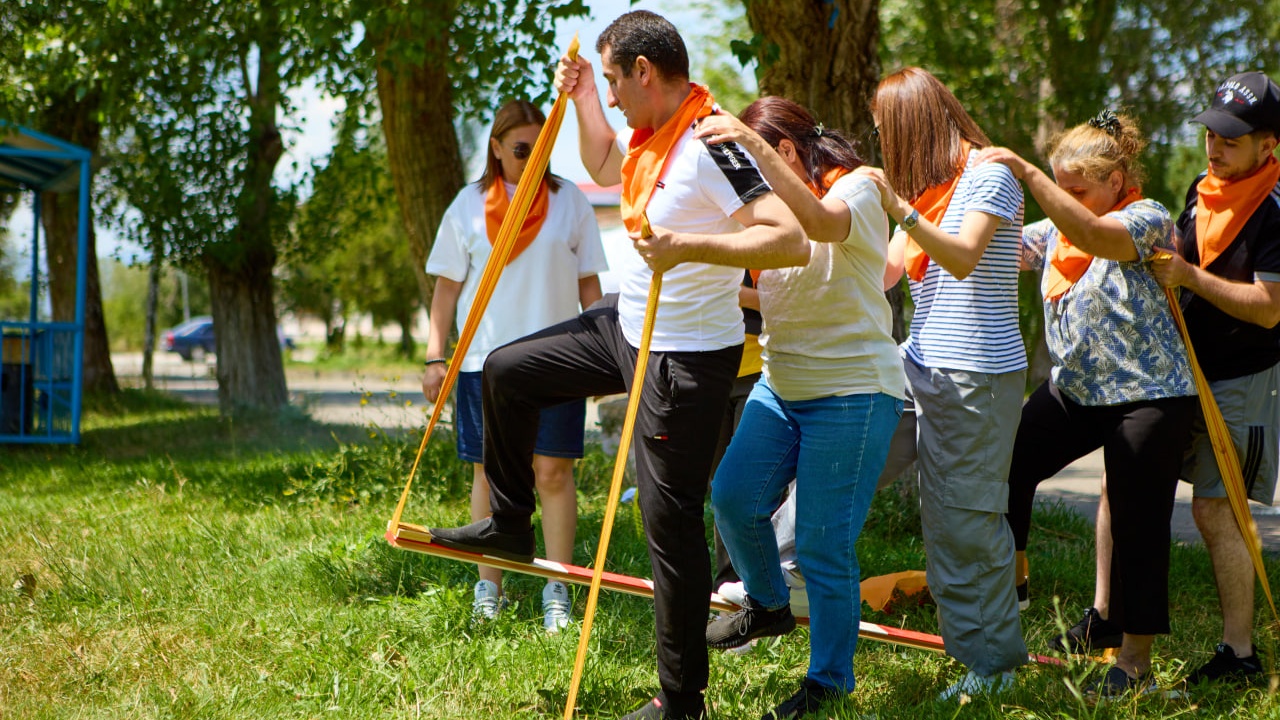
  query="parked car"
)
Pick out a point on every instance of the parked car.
point(193, 340)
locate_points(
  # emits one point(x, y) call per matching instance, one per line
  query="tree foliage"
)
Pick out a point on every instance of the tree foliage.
point(1026, 70)
point(434, 62)
point(64, 71)
point(352, 255)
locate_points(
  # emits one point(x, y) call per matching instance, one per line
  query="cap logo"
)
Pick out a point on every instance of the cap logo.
point(1233, 91)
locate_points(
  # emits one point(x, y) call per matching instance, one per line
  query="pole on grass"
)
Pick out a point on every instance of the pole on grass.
point(512, 222)
point(1224, 449)
point(615, 486)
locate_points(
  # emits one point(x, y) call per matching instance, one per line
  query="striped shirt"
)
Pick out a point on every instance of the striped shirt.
point(972, 324)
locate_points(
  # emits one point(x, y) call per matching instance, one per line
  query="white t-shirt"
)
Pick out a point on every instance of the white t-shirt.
point(537, 289)
point(827, 325)
point(972, 324)
point(698, 309)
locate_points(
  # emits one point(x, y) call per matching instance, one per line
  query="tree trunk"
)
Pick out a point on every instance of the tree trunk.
point(73, 121)
point(822, 55)
point(405, 321)
point(250, 368)
point(417, 104)
point(153, 292)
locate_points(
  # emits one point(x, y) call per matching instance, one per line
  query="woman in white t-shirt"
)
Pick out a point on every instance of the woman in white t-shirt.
point(552, 271)
point(826, 406)
point(964, 359)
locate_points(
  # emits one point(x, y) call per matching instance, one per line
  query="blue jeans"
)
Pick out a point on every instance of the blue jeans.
point(835, 448)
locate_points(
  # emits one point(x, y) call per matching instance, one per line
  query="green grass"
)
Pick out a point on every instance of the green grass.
point(178, 565)
point(369, 357)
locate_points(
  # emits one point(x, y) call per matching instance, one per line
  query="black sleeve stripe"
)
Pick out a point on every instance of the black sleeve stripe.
point(746, 180)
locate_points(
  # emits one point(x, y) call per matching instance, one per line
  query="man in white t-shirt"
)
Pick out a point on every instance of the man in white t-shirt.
point(711, 214)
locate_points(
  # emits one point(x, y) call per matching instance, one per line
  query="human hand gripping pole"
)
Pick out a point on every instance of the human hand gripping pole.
point(1224, 449)
point(526, 189)
point(615, 485)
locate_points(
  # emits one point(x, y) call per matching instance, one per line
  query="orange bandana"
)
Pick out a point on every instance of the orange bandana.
point(932, 206)
point(1224, 206)
point(1069, 262)
point(496, 203)
point(649, 150)
point(829, 178)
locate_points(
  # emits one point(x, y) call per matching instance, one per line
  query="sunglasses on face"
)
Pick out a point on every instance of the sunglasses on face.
point(521, 151)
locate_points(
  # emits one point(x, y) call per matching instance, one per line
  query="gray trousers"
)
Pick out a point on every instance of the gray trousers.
point(965, 427)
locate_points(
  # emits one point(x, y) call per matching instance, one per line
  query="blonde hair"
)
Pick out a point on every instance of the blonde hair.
point(1101, 146)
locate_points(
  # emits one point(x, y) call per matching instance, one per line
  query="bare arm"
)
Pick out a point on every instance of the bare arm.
point(824, 220)
point(771, 237)
point(1257, 302)
point(957, 254)
point(444, 303)
point(1097, 235)
point(589, 291)
point(895, 260)
point(749, 298)
point(596, 138)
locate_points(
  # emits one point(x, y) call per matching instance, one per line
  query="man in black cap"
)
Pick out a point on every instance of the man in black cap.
point(1227, 261)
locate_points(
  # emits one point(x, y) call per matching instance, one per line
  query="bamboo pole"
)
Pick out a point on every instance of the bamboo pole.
point(502, 246)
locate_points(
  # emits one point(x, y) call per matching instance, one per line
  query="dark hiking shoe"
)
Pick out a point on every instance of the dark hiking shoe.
point(1117, 683)
point(484, 538)
point(655, 710)
point(752, 621)
point(807, 699)
point(1091, 633)
point(1226, 667)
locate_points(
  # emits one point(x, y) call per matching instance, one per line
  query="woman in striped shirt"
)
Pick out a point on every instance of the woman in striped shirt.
point(961, 242)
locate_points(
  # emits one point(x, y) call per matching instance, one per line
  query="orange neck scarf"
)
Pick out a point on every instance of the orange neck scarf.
point(649, 150)
point(829, 178)
point(932, 206)
point(1224, 206)
point(1069, 262)
point(496, 203)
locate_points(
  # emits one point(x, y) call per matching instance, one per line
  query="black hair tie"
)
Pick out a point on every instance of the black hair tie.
point(1107, 122)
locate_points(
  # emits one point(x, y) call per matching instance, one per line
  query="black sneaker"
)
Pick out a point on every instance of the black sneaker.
point(1117, 683)
point(1091, 633)
point(807, 699)
point(654, 710)
point(1225, 666)
point(752, 621)
point(484, 538)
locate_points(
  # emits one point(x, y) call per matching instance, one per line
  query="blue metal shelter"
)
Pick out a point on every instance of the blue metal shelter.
point(42, 374)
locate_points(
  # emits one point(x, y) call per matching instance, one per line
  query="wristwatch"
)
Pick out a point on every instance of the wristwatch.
point(911, 220)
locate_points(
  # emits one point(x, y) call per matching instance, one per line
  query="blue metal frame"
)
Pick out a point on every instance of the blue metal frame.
point(42, 344)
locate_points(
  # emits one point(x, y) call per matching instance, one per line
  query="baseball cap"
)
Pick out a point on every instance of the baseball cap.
point(1243, 103)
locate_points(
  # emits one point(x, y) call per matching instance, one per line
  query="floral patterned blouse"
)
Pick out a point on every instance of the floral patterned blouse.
point(1111, 336)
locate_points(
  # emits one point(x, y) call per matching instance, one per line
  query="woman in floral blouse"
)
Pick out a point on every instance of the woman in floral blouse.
point(1120, 378)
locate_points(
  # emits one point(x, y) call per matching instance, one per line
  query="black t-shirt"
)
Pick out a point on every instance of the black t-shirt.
point(1225, 346)
point(751, 318)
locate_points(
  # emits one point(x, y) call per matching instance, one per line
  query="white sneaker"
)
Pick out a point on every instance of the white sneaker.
point(488, 600)
point(557, 607)
point(973, 684)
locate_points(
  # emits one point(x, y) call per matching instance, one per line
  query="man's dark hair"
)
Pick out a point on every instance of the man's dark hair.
point(641, 32)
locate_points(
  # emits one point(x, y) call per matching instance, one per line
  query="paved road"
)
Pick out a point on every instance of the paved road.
point(364, 401)
point(351, 400)
point(1077, 486)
